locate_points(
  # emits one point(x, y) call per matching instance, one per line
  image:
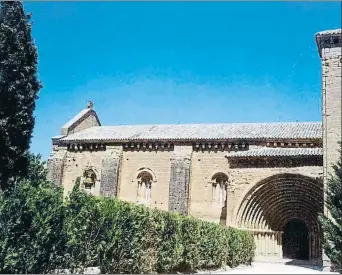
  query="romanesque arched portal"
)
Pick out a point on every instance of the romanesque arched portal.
point(282, 211)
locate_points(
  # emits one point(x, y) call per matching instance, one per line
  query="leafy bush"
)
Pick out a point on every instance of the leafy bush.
point(170, 245)
point(82, 226)
point(39, 232)
point(122, 237)
point(31, 218)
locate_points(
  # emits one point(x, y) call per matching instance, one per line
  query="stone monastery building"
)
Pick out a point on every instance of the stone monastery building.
point(264, 177)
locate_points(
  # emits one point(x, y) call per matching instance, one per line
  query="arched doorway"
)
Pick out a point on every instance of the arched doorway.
point(295, 240)
point(275, 210)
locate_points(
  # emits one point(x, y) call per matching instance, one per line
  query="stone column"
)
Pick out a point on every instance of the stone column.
point(55, 166)
point(329, 45)
point(110, 171)
point(180, 179)
point(280, 245)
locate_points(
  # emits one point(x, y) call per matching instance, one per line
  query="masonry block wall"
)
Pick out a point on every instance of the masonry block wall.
point(179, 182)
point(329, 45)
point(85, 119)
point(204, 165)
point(330, 49)
point(110, 171)
point(158, 163)
point(75, 165)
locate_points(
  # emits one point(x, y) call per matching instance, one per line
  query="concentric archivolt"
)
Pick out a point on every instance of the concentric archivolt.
point(271, 203)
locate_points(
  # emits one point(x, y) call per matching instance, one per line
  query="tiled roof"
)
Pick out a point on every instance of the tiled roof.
point(276, 130)
point(58, 137)
point(277, 152)
point(328, 32)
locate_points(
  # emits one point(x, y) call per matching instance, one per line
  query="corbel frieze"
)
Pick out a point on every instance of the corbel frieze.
point(79, 147)
point(220, 146)
point(148, 146)
point(293, 144)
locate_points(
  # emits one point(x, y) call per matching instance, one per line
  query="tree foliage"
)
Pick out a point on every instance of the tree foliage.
point(19, 89)
point(332, 224)
point(31, 219)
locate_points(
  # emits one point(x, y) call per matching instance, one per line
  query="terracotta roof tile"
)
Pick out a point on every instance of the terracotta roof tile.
point(277, 152)
point(276, 130)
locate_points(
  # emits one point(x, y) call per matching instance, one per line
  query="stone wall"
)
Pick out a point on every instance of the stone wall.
point(157, 163)
point(331, 91)
point(75, 165)
point(330, 50)
point(178, 175)
point(110, 171)
point(87, 122)
point(180, 179)
point(55, 166)
point(85, 119)
point(204, 166)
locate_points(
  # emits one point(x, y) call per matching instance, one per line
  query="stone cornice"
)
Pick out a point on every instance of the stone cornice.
point(328, 39)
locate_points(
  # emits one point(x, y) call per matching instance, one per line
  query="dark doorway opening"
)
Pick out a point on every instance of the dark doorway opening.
point(296, 240)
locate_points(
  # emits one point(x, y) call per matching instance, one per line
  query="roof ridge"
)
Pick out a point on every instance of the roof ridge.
point(224, 123)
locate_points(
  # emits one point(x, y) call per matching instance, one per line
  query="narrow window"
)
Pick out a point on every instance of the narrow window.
point(219, 189)
point(144, 187)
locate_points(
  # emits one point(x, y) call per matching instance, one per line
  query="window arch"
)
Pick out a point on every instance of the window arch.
point(89, 179)
point(219, 189)
point(145, 180)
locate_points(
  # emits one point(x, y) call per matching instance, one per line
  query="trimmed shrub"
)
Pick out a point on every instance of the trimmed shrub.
point(41, 233)
point(170, 245)
point(241, 247)
point(191, 239)
point(130, 238)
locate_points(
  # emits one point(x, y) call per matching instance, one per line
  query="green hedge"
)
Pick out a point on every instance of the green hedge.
point(133, 238)
point(39, 233)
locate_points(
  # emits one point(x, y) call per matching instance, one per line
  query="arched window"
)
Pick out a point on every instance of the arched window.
point(89, 179)
point(145, 180)
point(219, 189)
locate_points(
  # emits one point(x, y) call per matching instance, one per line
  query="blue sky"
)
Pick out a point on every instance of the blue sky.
point(178, 62)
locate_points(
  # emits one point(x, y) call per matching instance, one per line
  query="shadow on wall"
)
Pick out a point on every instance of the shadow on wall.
point(223, 216)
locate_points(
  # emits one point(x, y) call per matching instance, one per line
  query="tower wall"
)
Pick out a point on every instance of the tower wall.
point(330, 50)
point(329, 45)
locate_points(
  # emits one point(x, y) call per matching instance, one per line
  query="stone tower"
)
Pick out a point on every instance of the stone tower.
point(329, 45)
